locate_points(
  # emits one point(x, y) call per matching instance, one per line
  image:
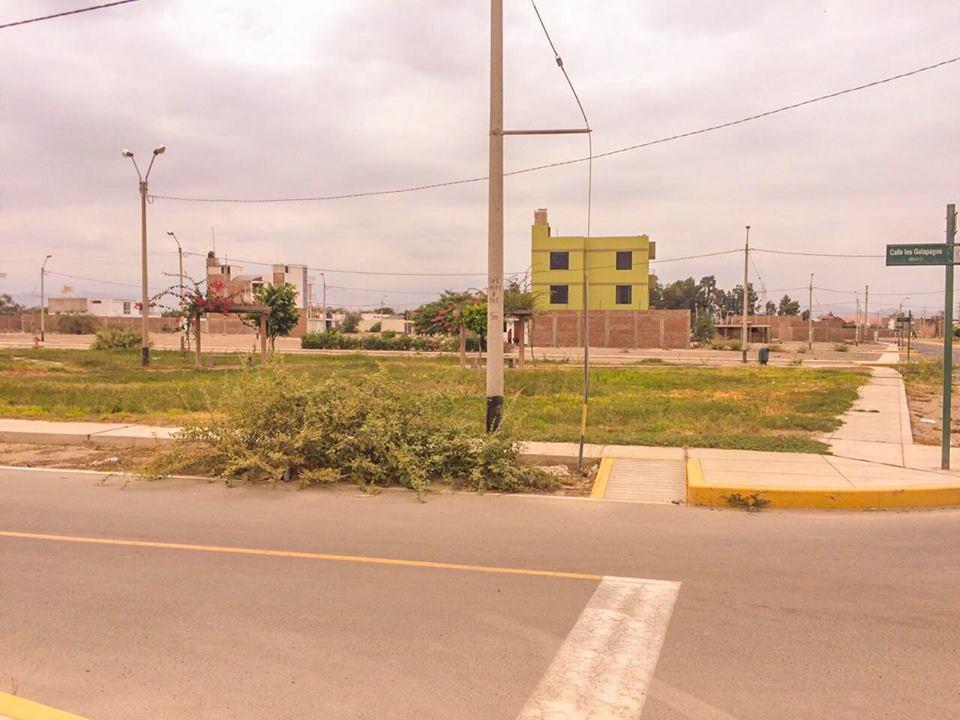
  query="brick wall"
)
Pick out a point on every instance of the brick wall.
point(613, 328)
point(792, 328)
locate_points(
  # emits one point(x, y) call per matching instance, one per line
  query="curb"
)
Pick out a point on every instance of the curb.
point(17, 708)
point(600, 482)
point(699, 492)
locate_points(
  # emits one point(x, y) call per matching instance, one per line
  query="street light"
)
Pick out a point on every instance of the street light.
point(183, 346)
point(323, 281)
point(43, 273)
point(145, 292)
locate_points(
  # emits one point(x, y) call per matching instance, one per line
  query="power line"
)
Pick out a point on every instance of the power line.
point(392, 273)
point(629, 148)
point(64, 14)
point(816, 254)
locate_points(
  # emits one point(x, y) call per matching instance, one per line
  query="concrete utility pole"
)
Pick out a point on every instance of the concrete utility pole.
point(857, 319)
point(810, 316)
point(495, 218)
point(946, 421)
point(744, 337)
point(183, 343)
point(495, 224)
point(866, 312)
point(43, 274)
point(144, 289)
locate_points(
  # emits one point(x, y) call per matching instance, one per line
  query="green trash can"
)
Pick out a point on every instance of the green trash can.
point(763, 355)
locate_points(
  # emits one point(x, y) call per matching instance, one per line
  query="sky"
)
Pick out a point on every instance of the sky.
point(297, 98)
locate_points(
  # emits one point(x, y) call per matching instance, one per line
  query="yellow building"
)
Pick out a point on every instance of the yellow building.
point(618, 270)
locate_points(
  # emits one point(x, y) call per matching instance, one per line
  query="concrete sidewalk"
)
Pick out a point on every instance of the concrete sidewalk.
point(80, 433)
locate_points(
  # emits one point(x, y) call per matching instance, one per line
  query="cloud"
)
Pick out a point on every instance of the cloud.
point(302, 98)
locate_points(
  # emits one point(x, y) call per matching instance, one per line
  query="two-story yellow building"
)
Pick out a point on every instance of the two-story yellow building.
point(618, 269)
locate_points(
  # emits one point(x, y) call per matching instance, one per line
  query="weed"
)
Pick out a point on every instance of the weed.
point(751, 503)
point(841, 347)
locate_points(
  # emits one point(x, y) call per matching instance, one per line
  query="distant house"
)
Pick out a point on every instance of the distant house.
point(618, 269)
point(99, 307)
point(234, 283)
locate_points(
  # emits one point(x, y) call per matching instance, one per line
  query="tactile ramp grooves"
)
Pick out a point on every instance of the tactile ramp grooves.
point(650, 481)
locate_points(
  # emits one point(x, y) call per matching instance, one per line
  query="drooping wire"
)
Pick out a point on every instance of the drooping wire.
point(65, 13)
point(561, 163)
point(586, 277)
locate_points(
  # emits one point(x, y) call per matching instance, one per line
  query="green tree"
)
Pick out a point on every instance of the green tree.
point(733, 300)
point(282, 301)
point(704, 327)
point(8, 306)
point(788, 306)
point(444, 315)
point(770, 308)
point(350, 322)
point(475, 318)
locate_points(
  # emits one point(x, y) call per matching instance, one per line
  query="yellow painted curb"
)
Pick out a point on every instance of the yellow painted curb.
point(18, 708)
point(603, 474)
point(699, 492)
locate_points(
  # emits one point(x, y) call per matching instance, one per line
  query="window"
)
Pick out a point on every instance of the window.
point(560, 261)
point(624, 260)
point(126, 307)
point(624, 294)
point(559, 294)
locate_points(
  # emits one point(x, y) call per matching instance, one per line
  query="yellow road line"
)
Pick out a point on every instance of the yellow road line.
point(603, 475)
point(17, 708)
point(297, 554)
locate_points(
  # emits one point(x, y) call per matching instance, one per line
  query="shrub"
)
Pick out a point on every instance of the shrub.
point(78, 324)
point(841, 347)
point(273, 428)
point(116, 339)
point(776, 348)
point(333, 340)
point(375, 327)
point(725, 345)
point(329, 340)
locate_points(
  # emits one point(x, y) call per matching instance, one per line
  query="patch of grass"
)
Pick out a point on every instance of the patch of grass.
point(669, 405)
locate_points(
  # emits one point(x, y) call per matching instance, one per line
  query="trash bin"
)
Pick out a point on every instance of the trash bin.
point(763, 355)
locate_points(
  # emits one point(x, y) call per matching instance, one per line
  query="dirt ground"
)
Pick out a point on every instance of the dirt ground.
point(81, 457)
point(926, 403)
point(131, 460)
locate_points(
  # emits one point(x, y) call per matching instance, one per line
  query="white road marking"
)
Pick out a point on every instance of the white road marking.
point(603, 668)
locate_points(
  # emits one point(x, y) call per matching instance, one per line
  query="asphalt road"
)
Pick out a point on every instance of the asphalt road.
point(933, 351)
point(780, 614)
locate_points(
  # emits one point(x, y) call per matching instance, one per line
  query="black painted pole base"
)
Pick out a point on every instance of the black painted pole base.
point(494, 412)
point(145, 356)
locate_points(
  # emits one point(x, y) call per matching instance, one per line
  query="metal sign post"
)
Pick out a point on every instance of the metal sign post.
point(946, 420)
point(935, 254)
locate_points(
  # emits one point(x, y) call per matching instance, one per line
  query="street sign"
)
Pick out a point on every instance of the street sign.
point(919, 254)
point(903, 320)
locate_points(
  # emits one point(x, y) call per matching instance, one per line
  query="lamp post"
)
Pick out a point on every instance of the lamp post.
point(145, 292)
point(183, 344)
point(43, 273)
point(323, 282)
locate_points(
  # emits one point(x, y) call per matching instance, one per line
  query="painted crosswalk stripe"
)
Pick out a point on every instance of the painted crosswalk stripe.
point(604, 667)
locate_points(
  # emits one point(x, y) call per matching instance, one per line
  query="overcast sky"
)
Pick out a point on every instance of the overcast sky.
point(295, 98)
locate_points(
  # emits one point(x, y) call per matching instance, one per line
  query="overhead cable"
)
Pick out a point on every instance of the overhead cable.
point(629, 148)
